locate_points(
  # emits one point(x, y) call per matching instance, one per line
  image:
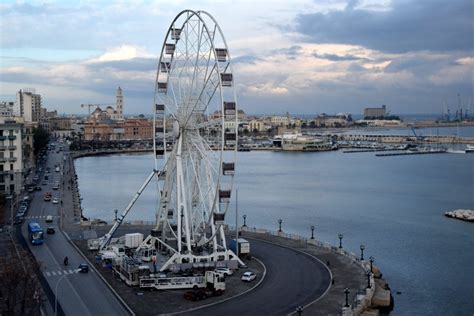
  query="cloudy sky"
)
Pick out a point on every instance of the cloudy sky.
point(300, 56)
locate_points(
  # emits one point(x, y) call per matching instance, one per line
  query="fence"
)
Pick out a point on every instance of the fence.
point(359, 300)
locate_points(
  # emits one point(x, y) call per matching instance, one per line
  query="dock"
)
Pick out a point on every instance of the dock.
point(410, 153)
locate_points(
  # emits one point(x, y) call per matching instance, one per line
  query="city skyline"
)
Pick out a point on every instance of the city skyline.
point(306, 58)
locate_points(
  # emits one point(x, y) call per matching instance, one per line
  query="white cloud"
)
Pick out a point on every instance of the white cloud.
point(123, 52)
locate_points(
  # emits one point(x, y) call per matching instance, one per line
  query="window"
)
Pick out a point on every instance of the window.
point(11, 177)
point(11, 166)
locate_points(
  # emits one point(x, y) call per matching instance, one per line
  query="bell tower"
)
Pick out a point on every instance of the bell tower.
point(119, 104)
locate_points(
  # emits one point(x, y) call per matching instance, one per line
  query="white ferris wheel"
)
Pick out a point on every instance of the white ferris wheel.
point(195, 121)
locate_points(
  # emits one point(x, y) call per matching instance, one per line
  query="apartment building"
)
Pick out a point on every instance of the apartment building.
point(11, 156)
point(28, 105)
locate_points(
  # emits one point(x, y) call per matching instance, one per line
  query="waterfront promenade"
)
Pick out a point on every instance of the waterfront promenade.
point(345, 272)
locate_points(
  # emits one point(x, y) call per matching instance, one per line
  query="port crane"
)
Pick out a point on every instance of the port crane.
point(89, 105)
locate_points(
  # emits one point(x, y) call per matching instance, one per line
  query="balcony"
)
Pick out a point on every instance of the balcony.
point(12, 147)
point(3, 147)
point(3, 137)
point(12, 159)
point(11, 137)
point(3, 159)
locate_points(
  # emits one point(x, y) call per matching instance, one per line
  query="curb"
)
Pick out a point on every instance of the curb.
point(229, 298)
point(124, 304)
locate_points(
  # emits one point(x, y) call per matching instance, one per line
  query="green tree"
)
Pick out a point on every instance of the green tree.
point(40, 139)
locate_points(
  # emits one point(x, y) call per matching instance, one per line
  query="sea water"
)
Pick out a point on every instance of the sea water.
point(392, 205)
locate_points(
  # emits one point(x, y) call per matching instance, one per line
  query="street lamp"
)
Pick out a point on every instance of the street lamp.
point(340, 240)
point(56, 291)
point(368, 279)
point(299, 310)
point(312, 231)
point(115, 211)
point(371, 259)
point(245, 218)
point(346, 291)
point(279, 224)
point(362, 247)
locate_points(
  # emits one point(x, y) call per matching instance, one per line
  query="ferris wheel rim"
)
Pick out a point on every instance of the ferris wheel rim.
point(221, 98)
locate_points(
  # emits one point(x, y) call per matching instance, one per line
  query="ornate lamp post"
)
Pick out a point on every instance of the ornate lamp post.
point(299, 310)
point(245, 218)
point(279, 224)
point(371, 259)
point(346, 291)
point(312, 231)
point(340, 240)
point(362, 247)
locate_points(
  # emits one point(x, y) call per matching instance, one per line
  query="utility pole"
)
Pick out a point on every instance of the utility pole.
point(236, 224)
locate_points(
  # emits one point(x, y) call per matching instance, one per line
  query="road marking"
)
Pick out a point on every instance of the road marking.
point(71, 271)
point(65, 272)
point(47, 274)
point(60, 273)
point(54, 273)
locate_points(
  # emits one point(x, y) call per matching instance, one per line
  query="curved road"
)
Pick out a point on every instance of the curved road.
point(293, 279)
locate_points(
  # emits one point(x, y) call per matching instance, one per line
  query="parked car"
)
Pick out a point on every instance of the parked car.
point(47, 198)
point(50, 230)
point(248, 276)
point(31, 189)
point(84, 268)
point(224, 271)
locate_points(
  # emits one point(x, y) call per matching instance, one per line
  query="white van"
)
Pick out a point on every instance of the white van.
point(49, 219)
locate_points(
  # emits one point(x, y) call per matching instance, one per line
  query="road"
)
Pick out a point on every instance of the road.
point(293, 279)
point(78, 293)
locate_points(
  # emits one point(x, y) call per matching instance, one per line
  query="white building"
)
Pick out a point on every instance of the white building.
point(6, 109)
point(279, 120)
point(28, 105)
point(11, 156)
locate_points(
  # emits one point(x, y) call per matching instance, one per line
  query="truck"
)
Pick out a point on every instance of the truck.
point(243, 246)
point(211, 281)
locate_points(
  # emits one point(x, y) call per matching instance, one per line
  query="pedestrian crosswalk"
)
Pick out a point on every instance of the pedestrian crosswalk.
point(38, 217)
point(59, 272)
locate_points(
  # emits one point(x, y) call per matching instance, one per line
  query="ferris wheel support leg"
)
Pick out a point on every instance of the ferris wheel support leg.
point(221, 230)
point(214, 239)
point(183, 214)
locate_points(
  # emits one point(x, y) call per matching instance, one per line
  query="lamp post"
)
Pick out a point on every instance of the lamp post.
point(299, 310)
point(115, 211)
point(279, 224)
point(312, 231)
point(371, 259)
point(346, 291)
point(340, 240)
point(368, 279)
point(56, 291)
point(245, 218)
point(362, 247)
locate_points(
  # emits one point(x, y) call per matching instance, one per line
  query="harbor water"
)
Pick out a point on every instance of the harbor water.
point(392, 205)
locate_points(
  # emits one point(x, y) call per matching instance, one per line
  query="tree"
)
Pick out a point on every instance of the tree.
point(40, 139)
point(20, 290)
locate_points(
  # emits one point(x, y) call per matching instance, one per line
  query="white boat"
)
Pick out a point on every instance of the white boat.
point(298, 142)
point(469, 149)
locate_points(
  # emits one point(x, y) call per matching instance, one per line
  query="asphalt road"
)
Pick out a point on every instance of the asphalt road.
point(78, 293)
point(293, 279)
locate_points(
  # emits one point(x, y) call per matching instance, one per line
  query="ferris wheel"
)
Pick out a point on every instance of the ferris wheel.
point(195, 134)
